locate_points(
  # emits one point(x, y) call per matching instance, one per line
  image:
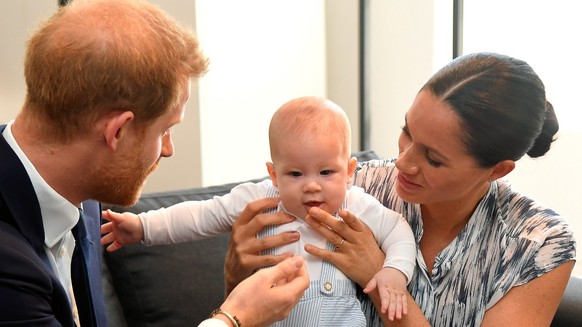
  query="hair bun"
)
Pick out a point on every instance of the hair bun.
point(547, 135)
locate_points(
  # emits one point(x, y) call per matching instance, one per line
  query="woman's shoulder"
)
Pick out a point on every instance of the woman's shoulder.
point(376, 163)
point(538, 238)
point(374, 170)
point(528, 218)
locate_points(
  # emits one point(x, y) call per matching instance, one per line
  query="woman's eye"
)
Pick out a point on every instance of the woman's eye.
point(433, 162)
point(405, 130)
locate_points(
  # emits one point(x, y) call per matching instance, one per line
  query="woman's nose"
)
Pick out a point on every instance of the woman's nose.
point(406, 161)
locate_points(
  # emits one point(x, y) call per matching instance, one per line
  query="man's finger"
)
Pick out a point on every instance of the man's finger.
point(286, 269)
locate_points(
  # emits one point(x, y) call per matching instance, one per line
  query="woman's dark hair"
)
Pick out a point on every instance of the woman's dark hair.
point(502, 104)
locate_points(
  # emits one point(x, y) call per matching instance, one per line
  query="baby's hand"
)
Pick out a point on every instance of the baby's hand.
point(122, 229)
point(391, 285)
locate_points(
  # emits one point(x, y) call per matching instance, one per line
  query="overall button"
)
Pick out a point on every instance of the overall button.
point(327, 286)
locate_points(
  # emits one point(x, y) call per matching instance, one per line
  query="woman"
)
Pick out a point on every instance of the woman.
point(487, 255)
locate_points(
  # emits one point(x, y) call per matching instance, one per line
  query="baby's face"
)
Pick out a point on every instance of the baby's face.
point(312, 173)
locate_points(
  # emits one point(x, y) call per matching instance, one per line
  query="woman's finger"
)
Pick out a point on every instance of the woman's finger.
point(332, 228)
point(352, 221)
point(243, 255)
point(359, 257)
point(260, 244)
point(255, 207)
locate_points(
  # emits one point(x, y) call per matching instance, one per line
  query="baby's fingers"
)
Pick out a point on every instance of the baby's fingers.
point(404, 306)
point(106, 228)
point(107, 237)
point(113, 246)
point(372, 284)
point(394, 304)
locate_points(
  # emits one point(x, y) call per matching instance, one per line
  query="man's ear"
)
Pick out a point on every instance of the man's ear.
point(501, 169)
point(116, 127)
point(271, 170)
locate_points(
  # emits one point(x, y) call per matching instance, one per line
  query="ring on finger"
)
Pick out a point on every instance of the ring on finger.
point(340, 243)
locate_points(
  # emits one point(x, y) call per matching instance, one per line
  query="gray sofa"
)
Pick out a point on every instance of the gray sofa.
point(179, 285)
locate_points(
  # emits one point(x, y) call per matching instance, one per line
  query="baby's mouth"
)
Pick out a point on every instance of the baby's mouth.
point(312, 204)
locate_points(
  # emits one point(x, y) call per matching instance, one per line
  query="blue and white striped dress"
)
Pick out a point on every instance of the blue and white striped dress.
point(509, 240)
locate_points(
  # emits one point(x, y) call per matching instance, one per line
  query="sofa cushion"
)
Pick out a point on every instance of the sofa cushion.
point(170, 285)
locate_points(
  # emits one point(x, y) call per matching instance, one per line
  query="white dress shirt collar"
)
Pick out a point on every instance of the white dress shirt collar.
point(59, 215)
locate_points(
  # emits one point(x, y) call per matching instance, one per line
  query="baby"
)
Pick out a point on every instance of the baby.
point(311, 167)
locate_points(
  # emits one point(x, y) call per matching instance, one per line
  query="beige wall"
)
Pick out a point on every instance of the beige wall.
point(186, 136)
point(17, 21)
point(262, 54)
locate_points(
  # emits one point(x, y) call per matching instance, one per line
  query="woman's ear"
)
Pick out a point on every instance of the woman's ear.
point(501, 169)
point(271, 170)
point(116, 127)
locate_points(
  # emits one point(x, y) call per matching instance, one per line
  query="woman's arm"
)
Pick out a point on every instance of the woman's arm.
point(531, 304)
point(243, 256)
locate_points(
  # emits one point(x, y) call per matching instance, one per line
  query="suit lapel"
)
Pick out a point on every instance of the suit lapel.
point(20, 199)
point(18, 193)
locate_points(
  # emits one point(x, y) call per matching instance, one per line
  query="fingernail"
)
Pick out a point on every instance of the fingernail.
point(294, 236)
point(297, 261)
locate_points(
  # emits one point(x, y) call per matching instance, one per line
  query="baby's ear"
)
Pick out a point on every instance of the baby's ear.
point(352, 163)
point(272, 174)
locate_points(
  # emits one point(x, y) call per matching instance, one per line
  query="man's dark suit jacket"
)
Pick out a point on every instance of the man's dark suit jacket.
point(30, 293)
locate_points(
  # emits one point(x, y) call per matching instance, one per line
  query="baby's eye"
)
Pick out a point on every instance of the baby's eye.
point(295, 174)
point(325, 172)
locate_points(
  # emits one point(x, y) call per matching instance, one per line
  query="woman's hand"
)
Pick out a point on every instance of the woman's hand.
point(243, 256)
point(358, 255)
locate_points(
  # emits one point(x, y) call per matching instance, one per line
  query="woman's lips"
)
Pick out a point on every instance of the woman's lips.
point(407, 184)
